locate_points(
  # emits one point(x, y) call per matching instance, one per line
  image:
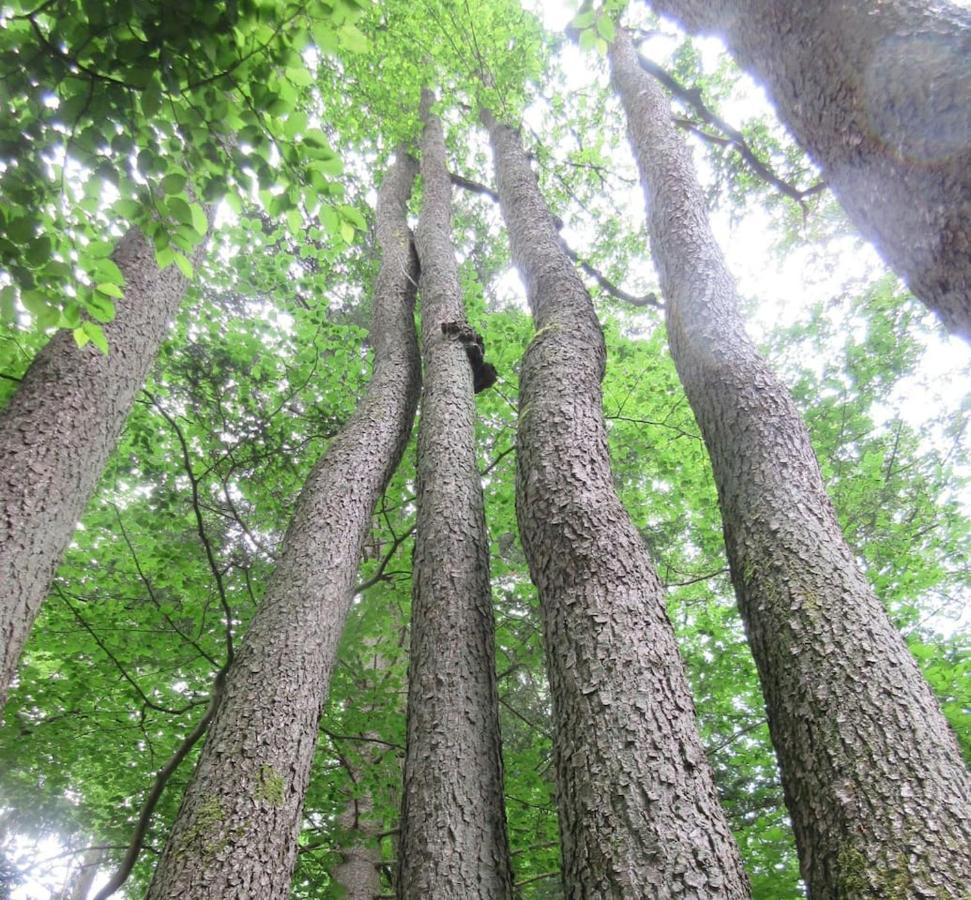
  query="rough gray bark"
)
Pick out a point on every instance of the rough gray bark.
point(879, 797)
point(639, 816)
point(453, 824)
point(236, 831)
point(356, 874)
point(58, 430)
point(876, 91)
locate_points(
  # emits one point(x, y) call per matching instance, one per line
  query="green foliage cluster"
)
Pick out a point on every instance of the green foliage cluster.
point(269, 356)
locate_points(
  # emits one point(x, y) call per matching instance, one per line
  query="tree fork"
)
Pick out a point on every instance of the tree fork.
point(879, 796)
point(639, 816)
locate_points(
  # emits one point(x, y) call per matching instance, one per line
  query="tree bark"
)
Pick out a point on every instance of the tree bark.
point(58, 430)
point(876, 92)
point(236, 832)
point(639, 816)
point(879, 798)
point(453, 823)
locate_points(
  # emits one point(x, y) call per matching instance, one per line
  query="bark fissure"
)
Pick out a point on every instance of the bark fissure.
point(638, 811)
point(453, 826)
point(236, 831)
point(879, 798)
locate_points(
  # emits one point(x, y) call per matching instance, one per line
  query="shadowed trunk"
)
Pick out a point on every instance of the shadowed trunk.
point(877, 93)
point(453, 825)
point(639, 816)
point(879, 797)
point(58, 430)
point(236, 831)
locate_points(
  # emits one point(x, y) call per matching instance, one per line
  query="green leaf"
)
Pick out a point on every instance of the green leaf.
point(352, 39)
point(605, 28)
point(347, 231)
point(354, 217)
point(199, 221)
point(179, 210)
point(101, 308)
point(185, 267)
point(96, 335)
point(588, 39)
point(39, 251)
point(8, 296)
point(174, 183)
point(21, 230)
point(112, 290)
point(81, 337)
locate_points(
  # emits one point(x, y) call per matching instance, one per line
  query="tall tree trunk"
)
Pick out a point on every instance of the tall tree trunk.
point(876, 91)
point(879, 798)
point(639, 816)
point(453, 823)
point(236, 831)
point(58, 430)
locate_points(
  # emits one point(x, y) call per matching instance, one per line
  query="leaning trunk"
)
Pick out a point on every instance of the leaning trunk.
point(453, 824)
point(876, 91)
point(236, 832)
point(639, 816)
point(59, 429)
point(878, 795)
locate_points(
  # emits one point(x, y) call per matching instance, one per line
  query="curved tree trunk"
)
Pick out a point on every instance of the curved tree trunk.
point(879, 797)
point(638, 811)
point(58, 430)
point(453, 824)
point(876, 91)
point(236, 831)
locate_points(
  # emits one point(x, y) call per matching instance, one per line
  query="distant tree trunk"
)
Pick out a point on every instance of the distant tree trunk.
point(83, 879)
point(879, 798)
point(357, 874)
point(236, 832)
point(876, 91)
point(58, 430)
point(453, 825)
point(639, 815)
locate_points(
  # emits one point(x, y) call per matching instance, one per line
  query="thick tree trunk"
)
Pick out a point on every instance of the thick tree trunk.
point(879, 798)
point(59, 429)
point(453, 823)
point(876, 91)
point(639, 815)
point(236, 832)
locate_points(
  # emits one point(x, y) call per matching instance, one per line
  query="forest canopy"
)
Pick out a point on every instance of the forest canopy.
point(238, 148)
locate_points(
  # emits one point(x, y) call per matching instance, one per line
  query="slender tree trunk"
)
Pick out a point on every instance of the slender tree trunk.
point(879, 798)
point(58, 430)
point(83, 879)
point(639, 815)
point(876, 91)
point(453, 823)
point(236, 832)
point(357, 874)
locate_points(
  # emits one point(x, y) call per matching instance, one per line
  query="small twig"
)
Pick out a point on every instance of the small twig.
point(161, 779)
point(380, 574)
point(619, 293)
point(692, 96)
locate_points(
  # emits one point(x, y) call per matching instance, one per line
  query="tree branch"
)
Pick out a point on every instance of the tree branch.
point(647, 300)
point(161, 779)
point(692, 96)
